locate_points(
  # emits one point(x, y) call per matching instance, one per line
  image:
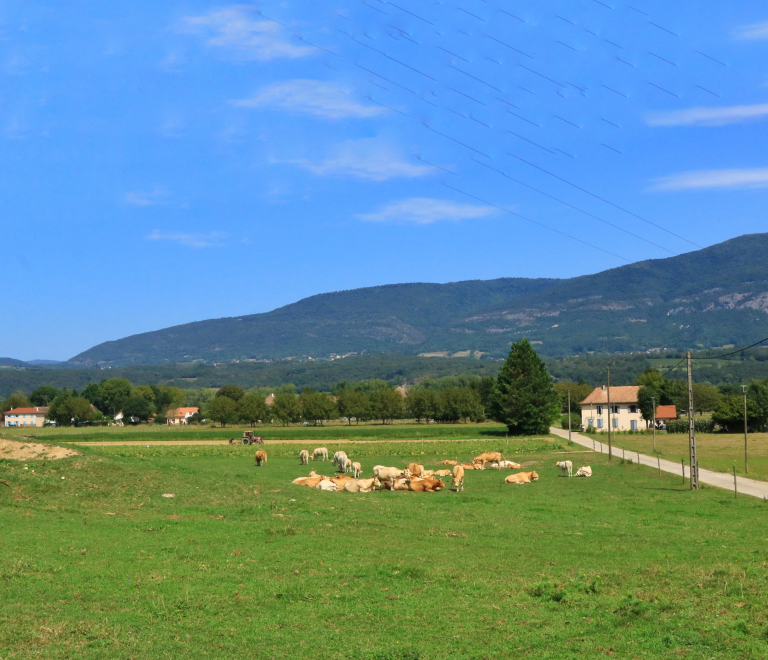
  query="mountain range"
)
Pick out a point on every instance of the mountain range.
point(716, 296)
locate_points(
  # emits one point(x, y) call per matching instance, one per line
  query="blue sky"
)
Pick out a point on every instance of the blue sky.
point(169, 162)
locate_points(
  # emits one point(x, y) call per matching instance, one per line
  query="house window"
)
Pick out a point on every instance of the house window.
point(615, 423)
point(633, 424)
point(615, 409)
point(633, 409)
point(599, 410)
point(599, 423)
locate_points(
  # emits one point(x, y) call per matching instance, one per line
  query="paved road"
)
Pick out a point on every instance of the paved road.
point(721, 480)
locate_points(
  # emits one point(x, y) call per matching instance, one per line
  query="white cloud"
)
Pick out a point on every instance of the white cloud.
point(211, 239)
point(152, 198)
point(314, 97)
point(734, 179)
point(755, 31)
point(423, 210)
point(734, 114)
point(238, 29)
point(368, 158)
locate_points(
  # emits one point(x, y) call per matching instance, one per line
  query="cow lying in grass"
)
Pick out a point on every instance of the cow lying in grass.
point(507, 465)
point(584, 471)
point(359, 485)
point(521, 478)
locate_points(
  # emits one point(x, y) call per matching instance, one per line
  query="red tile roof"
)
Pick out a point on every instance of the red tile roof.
point(182, 412)
point(620, 394)
point(26, 411)
point(666, 412)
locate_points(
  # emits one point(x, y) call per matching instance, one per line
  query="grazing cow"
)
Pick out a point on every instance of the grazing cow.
point(521, 478)
point(304, 456)
point(320, 452)
point(340, 458)
point(415, 469)
point(345, 464)
point(458, 477)
point(566, 467)
point(357, 469)
point(584, 471)
point(488, 457)
point(442, 473)
point(387, 475)
point(359, 485)
point(425, 485)
point(326, 484)
point(309, 481)
point(261, 457)
point(508, 465)
point(448, 462)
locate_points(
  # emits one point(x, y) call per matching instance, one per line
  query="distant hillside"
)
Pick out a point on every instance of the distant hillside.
point(10, 362)
point(711, 297)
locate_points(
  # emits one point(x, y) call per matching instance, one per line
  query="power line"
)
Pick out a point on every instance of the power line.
point(739, 350)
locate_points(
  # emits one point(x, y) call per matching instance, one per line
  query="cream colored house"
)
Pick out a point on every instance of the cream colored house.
point(625, 413)
point(25, 417)
point(180, 415)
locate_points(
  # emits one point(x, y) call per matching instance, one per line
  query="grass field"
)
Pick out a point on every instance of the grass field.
point(242, 563)
point(399, 431)
point(715, 451)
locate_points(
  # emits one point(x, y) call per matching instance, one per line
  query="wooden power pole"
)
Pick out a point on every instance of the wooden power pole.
point(610, 444)
point(692, 430)
point(746, 461)
point(653, 401)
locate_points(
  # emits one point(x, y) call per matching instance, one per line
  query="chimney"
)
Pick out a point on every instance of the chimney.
point(603, 388)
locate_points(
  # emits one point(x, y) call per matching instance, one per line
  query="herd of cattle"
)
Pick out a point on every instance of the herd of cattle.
point(414, 477)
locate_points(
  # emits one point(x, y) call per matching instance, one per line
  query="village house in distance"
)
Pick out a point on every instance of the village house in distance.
point(625, 413)
point(25, 417)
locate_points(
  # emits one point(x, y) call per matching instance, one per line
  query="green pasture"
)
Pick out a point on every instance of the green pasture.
point(716, 451)
point(243, 564)
point(326, 432)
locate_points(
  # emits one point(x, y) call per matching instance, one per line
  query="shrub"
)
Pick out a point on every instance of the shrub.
point(700, 425)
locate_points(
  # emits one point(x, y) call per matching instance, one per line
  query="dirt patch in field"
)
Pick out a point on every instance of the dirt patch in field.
point(30, 451)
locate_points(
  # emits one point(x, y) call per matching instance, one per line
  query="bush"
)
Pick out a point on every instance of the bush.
point(700, 425)
point(575, 421)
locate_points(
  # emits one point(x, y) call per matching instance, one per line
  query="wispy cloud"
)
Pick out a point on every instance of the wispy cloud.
point(368, 158)
point(314, 97)
point(735, 179)
point(423, 210)
point(211, 239)
point(152, 198)
point(754, 31)
point(722, 116)
point(239, 30)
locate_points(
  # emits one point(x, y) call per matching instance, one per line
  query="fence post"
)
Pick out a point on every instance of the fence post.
point(658, 460)
point(638, 457)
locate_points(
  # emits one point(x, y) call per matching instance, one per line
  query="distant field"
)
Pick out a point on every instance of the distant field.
point(715, 451)
point(242, 563)
point(328, 433)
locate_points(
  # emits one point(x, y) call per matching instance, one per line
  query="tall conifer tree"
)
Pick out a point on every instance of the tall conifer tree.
point(524, 398)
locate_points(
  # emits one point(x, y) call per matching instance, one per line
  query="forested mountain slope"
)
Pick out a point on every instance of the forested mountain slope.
point(711, 297)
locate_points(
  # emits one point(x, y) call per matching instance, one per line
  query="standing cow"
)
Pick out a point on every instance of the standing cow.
point(320, 452)
point(458, 477)
point(566, 467)
point(261, 458)
point(304, 456)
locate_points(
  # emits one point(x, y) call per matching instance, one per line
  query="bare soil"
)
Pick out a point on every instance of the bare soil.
point(29, 451)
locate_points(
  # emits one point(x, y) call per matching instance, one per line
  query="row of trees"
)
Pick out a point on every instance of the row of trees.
point(99, 402)
point(522, 397)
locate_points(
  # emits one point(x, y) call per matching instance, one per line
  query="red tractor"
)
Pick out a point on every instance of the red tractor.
point(248, 439)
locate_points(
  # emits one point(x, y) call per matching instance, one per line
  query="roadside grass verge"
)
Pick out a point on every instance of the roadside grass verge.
point(242, 563)
point(715, 451)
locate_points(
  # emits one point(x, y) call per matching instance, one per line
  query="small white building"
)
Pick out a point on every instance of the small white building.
point(625, 413)
point(181, 415)
point(25, 417)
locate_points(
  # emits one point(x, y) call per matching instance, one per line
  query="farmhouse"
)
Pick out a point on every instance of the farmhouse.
point(625, 413)
point(25, 417)
point(180, 415)
point(665, 414)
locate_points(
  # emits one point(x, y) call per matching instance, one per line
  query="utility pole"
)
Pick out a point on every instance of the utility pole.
point(692, 430)
point(610, 444)
point(746, 461)
point(653, 401)
point(569, 414)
